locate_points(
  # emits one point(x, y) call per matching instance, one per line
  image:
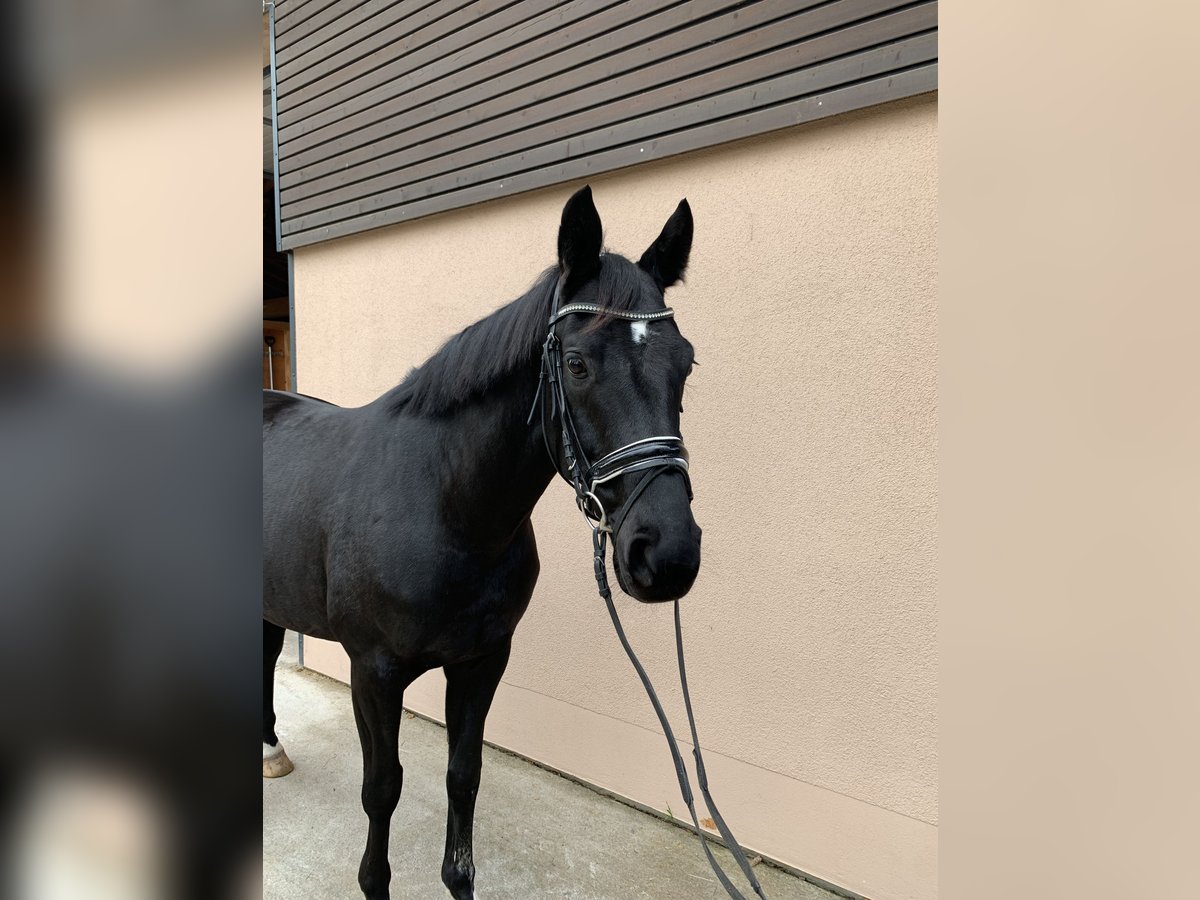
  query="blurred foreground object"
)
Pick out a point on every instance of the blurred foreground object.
point(129, 461)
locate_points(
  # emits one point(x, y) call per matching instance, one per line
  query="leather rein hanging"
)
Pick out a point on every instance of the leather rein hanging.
point(654, 456)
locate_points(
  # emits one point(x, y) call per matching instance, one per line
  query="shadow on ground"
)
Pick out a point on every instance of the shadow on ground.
point(536, 834)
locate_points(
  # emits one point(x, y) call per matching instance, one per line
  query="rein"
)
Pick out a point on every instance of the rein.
point(654, 456)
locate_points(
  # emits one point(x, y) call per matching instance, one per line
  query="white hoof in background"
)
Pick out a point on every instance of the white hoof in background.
point(275, 761)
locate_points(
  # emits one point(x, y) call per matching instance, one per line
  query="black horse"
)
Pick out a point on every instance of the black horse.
point(402, 529)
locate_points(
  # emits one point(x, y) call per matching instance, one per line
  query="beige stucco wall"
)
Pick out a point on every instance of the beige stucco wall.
point(811, 300)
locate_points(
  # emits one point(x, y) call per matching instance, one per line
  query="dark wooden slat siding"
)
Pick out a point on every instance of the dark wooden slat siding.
point(356, 52)
point(908, 83)
point(401, 110)
point(291, 14)
point(316, 35)
point(840, 71)
point(445, 82)
point(621, 86)
point(603, 56)
point(316, 28)
point(312, 100)
point(429, 28)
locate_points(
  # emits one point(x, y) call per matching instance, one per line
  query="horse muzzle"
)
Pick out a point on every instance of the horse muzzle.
point(655, 567)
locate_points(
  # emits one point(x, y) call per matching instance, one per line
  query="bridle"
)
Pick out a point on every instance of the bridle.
point(654, 456)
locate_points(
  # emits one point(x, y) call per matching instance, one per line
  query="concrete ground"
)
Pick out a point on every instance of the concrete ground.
point(536, 834)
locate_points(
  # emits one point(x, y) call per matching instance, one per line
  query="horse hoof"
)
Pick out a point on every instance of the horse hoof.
point(275, 761)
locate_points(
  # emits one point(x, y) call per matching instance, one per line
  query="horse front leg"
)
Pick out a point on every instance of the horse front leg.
point(470, 688)
point(377, 688)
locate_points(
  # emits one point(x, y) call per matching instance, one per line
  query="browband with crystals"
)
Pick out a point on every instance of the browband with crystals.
point(595, 310)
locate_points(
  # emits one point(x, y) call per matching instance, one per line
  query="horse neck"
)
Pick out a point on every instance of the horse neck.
point(495, 464)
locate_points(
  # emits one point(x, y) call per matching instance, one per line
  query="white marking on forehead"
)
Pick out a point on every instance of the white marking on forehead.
point(639, 330)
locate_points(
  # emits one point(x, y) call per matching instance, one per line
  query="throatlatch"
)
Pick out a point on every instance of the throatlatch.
point(654, 456)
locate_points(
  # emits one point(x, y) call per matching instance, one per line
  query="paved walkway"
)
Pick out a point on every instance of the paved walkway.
point(536, 834)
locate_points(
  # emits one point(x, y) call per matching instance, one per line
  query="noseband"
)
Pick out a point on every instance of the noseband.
point(654, 456)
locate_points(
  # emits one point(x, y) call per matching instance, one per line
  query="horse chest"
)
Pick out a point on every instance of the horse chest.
point(440, 606)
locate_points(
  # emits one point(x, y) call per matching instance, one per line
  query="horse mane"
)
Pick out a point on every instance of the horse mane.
point(493, 348)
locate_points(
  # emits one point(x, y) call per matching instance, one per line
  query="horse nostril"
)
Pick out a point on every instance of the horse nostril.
point(638, 554)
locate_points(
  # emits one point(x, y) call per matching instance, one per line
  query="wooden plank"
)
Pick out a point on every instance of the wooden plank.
point(331, 23)
point(397, 41)
point(341, 15)
point(352, 41)
point(613, 94)
point(895, 86)
point(598, 57)
point(357, 26)
point(289, 13)
point(824, 77)
point(325, 21)
point(565, 67)
point(286, 8)
point(399, 76)
point(605, 101)
point(448, 77)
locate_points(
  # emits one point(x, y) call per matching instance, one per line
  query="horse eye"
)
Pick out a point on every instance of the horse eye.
point(576, 367)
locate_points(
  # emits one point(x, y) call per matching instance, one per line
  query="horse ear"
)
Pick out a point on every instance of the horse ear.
point(667, 258)
point(579, 239)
